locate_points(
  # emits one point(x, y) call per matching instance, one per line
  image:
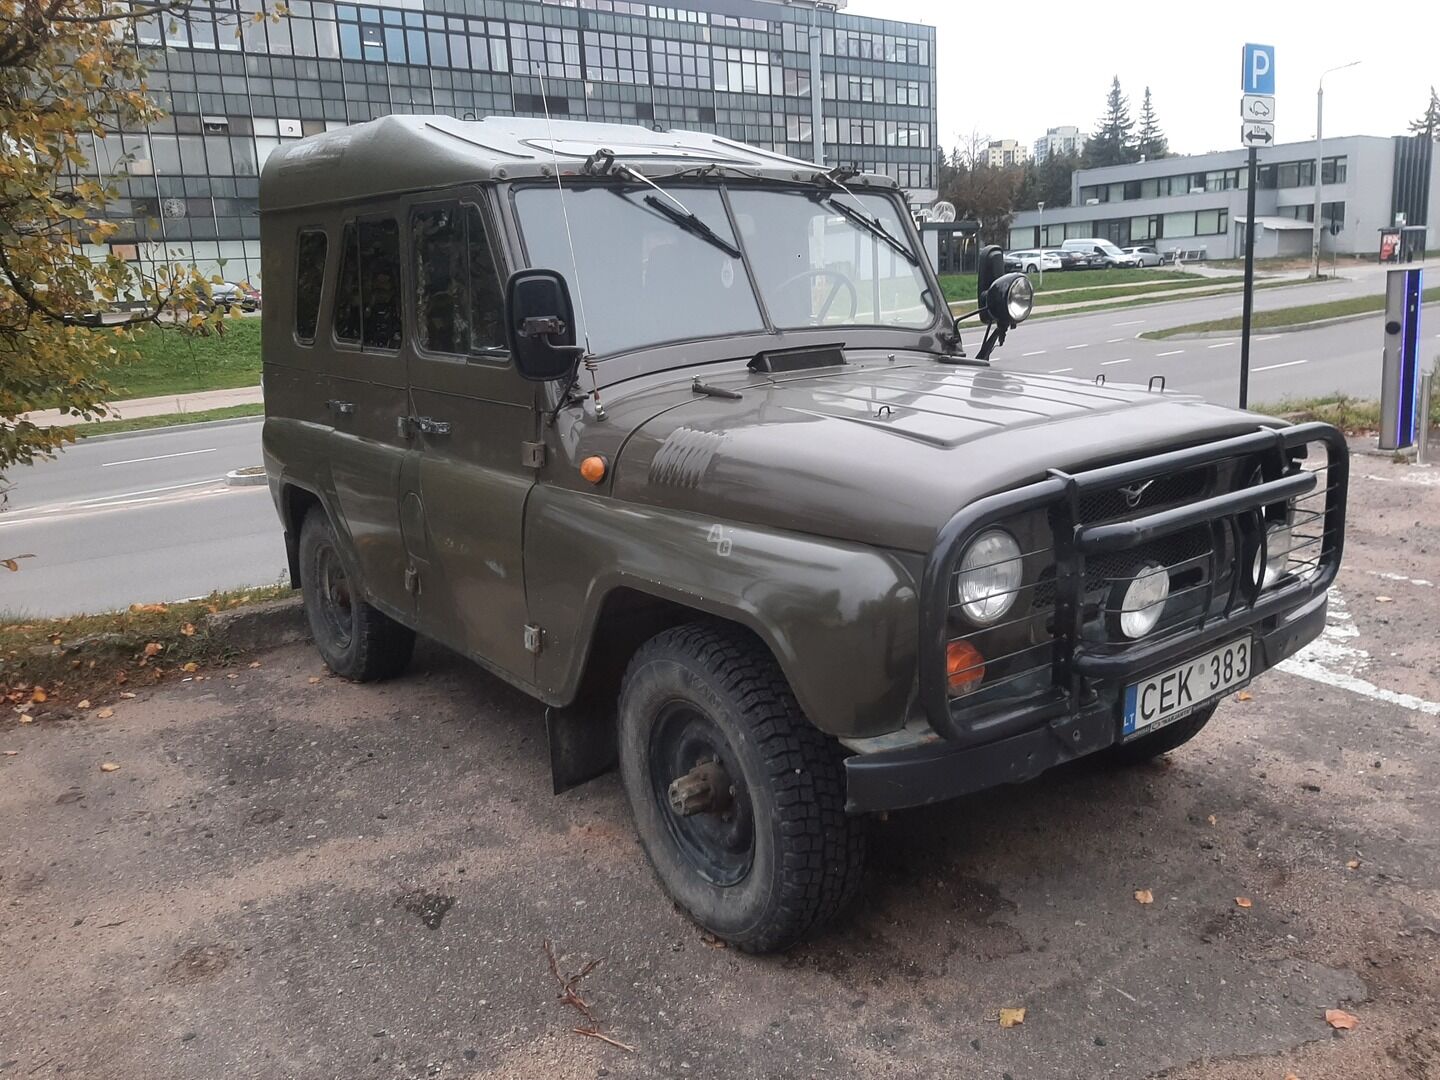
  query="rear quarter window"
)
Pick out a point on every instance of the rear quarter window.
point(310, 249)
point(367, 292)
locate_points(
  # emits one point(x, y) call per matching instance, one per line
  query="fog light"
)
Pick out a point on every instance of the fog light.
point(964, 668)
point(1144, 600)
point(1277, 552)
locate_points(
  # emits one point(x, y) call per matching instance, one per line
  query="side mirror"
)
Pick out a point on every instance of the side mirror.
point(1008, 300)
point(540, 325)
point(989, 266)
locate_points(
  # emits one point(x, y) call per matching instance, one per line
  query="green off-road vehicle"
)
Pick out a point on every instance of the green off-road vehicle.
point(680, 437)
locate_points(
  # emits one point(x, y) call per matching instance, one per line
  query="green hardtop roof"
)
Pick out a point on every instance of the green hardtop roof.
point(416, 153)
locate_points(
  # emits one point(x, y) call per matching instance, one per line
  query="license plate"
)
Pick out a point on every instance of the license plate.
point(1177, 692)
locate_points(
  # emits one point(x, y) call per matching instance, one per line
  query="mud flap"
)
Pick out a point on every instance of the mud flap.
point(582, 744)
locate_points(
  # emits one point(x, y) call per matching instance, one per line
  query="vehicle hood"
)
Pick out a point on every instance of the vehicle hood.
point(883, 450)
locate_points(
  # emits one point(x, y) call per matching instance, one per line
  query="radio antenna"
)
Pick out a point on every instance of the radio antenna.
point(589, 358)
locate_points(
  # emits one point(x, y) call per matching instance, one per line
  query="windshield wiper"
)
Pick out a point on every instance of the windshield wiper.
point(678, 213)
point(865, 221)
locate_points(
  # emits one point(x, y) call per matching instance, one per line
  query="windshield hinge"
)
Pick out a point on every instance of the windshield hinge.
point(532, 455)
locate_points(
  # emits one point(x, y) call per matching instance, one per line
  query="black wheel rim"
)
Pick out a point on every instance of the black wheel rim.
point(720, 846)
point(333, 598)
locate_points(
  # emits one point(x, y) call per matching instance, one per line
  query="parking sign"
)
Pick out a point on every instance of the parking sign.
point(1257, 71)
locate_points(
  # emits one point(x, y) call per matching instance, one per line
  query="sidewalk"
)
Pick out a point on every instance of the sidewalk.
point(158, 406)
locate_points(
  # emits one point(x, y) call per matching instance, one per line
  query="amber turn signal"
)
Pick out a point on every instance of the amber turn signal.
point(593, 469)
point(964, 668)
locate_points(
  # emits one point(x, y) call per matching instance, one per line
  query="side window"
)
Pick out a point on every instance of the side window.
point(309, 278)
point(458, 298)
point(367, 293)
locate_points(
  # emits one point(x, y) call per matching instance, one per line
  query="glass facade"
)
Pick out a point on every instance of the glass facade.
point(237, 79)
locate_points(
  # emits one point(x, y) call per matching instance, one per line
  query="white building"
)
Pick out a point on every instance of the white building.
point(1067, 139)
point(1002, 152)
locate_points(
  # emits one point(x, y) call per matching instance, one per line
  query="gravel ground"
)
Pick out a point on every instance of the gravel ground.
point(290, 876)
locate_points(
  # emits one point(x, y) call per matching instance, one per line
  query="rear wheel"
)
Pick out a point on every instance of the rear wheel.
point(355, 640)
point(739, 801)
point(1168, 738)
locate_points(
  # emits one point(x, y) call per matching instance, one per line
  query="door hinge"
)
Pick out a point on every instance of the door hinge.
point(533, 638)
point(412, 580)
point(532, 455)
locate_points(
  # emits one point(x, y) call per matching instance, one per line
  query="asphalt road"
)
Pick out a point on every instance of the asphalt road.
point(292, 876)
point(144, 518)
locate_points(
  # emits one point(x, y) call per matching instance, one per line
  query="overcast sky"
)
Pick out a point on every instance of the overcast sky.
point(1029, 66)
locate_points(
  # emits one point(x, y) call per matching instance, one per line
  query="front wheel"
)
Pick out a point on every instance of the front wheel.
point(1168, 738)
point(739, 801)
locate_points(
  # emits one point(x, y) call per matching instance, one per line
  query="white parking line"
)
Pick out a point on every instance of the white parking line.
point(1059, 370)
point(1132, 322)
point(1037, 352)
point(1272, 367)
point(1113, 340)
point(157, 457)
point(1172, 352)
point(1107, 363)
point(1221, 345)
point(1085, 345)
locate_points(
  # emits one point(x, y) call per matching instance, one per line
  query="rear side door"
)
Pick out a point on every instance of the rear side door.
point(472, 417)
point(368, 403)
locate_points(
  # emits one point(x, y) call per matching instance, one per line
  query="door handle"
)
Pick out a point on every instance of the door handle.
point(428, 425)
point(344, 408)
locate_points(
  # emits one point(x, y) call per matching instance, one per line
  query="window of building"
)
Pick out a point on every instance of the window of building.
point(1333, 170)
point(309, 280)
point(367, 294)
point(742, 71)
point(1179, 225)
point(1143, 228)
point(1210, 222)
point(552, 51)
point(684, 64)
point(457, 292)
point(616, 58)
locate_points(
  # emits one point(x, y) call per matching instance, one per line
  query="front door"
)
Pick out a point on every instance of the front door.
point(466, 483)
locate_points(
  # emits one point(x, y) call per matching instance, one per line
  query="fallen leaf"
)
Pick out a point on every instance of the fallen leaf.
point(1291, 1076)
point(1341, 1020)
point(126, 694)
point(1384, 599)
point(254, 663)
point(109, 766)
point(1144, 896)
point(105, 714)
point(188, 629)
point(1012, 1017)
point(1211, 819)
point(39, 695)
point(190, 666)
point(11, 753)
point(314, 679)
point(26, 719)
point(1353, 864)
point(1244, 901)
point(152, 648)
point(1244, 695)
point(83, 703)
point(149, 609)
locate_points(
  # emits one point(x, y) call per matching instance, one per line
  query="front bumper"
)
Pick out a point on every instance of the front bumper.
point(894, 780)
point(1059, 697)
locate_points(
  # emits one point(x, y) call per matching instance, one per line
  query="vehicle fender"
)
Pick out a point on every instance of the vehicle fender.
point(841, 618)
point(296, 464)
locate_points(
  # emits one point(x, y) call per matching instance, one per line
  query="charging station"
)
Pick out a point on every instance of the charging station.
point(1400, 372)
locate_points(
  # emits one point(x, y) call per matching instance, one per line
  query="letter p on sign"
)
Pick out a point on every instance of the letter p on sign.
point(1257, 72)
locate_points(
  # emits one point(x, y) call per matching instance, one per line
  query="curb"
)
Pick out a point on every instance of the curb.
point(262, 626)
point(201, 425)
point(250, 476)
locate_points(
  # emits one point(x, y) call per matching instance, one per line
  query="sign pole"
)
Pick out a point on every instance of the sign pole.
point(1249, 286)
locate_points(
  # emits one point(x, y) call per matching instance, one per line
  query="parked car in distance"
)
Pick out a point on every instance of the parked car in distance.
point(1144, 255)
point(1109, 255)
point(1073, 260)
point(1031, 261)
point(229, 295)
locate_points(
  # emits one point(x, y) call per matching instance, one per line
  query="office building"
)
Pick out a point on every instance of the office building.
point(796, 76)
point(1198, 204)
point(1059, 140)
point(1002, 152)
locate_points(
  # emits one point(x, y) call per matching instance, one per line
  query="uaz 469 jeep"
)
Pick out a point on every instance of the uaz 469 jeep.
point(680, 436)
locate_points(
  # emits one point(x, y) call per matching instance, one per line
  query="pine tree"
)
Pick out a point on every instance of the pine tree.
point(1151, 142)
point(1429, 122)
point(1112, 143)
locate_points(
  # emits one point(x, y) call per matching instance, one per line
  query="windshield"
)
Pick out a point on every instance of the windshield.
point(1109, 248)
point(644, 278)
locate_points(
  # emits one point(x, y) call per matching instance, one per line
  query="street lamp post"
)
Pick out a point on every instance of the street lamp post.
point(1319, 164)
point(1040, 227)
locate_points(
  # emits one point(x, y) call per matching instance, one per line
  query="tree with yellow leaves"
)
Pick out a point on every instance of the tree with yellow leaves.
point(70, 72)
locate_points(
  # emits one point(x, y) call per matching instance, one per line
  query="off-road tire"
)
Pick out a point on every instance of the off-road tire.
point(1148, 747)
point(808, 855)
point(355, 640)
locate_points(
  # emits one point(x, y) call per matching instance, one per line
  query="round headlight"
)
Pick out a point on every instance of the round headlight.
point(1019, 299)
point(1277, 552)
point(989, 575)
point(1143, 601)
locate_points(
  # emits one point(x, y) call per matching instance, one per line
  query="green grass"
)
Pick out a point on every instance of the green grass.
point(962, 286)
point(1080, 296)
point(174, 362)
point(143, 423)
point(1348, 414)
point(1289, 316)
